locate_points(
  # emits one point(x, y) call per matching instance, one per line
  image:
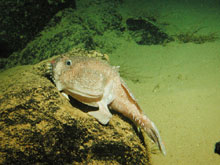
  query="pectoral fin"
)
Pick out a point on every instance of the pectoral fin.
point(102, 115)
point(65, 95)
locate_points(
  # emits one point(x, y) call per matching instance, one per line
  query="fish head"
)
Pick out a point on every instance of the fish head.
point(57, 68)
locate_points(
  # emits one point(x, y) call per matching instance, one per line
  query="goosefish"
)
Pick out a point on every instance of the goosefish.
point(96, 83)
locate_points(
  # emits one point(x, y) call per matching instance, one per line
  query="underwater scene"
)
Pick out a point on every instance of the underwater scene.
point(110, 82)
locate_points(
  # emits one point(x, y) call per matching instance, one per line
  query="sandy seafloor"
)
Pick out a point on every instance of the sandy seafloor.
point(179, 86)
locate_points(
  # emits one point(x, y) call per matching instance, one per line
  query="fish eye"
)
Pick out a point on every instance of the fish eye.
point(68, 62)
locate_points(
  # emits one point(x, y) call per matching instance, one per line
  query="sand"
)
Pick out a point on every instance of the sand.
point(179, 86)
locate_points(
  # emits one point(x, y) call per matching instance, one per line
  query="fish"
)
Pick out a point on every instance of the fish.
point(96, 83)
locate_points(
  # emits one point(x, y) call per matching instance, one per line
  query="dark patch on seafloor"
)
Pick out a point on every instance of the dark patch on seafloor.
point(144, 32)
point(39, 126)
point(217, 148)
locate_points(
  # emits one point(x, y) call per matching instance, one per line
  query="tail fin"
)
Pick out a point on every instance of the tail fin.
point(152, 132)
point(143, 120)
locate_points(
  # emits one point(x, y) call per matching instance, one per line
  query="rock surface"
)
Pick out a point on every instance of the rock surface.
point(40, 126)
point(22, 20)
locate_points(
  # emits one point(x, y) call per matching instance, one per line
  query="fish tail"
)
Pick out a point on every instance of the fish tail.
point(149, 127)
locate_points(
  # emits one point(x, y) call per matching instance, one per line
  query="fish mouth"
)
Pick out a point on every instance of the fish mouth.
point(86, 98)
point(49, 70)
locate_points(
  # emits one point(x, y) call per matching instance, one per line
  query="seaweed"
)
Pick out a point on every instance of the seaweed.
point(131, 73)
point(193, 36)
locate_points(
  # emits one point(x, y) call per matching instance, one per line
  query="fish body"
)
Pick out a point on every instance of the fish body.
point(94, 82)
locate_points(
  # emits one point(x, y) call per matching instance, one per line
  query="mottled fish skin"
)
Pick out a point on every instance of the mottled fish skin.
point(96, 83)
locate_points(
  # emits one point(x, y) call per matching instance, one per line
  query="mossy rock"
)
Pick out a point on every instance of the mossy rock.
point(40, 126)
point(96, 27)
point(22, 20)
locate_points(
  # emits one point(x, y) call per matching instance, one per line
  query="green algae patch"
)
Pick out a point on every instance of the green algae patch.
point(70, 29)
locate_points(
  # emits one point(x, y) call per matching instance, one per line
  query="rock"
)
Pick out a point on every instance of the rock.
point(22, 20)
point(217, 148)
point(93, 25)
point(38, 125)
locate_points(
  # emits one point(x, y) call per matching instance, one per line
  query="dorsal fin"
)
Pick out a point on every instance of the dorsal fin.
point(130, 95)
